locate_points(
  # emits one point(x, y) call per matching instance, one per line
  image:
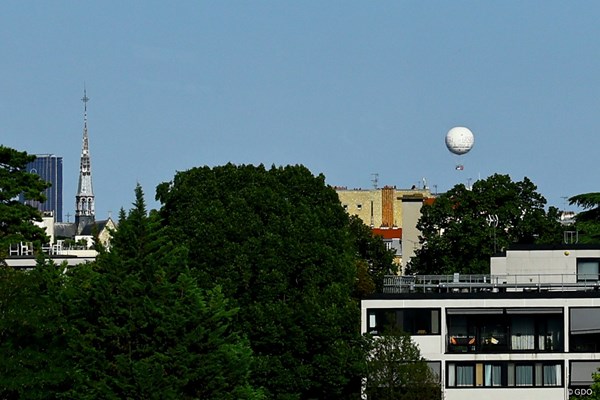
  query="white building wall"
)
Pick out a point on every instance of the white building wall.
point(433, 347)
point(543, 266)
point(505, 393)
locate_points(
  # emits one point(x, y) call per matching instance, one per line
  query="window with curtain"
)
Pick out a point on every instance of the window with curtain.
point(524, 375)
point(522, 333)
point(464, 375)
point(552, 375)
point(492, 375)
point(506, 374)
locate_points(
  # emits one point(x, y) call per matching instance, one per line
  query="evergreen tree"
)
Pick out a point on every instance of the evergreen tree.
point(34, 333)
point(147, 330)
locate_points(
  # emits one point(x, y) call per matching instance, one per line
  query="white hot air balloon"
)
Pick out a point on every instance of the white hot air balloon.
point(459, 140)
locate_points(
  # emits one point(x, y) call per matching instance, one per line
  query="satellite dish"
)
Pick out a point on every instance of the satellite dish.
point(459, 141)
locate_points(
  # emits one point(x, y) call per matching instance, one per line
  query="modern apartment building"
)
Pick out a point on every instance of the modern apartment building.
point(530, 329)
point(50, 168)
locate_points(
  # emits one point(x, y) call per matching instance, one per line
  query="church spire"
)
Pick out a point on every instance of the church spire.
point(84, 208)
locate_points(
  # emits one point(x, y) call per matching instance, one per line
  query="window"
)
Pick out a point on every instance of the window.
point(524, 375)
point(492, 375)
point(584, 331)
point(581, 372)
point(522, 333)
point(414, 321)
point(504, 374)
point(436, 368)
point(498, 330)
point(535, 374)
point(587, 269)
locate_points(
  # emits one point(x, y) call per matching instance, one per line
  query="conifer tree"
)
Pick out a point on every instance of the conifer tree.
point(147, 330)
point(34, 333)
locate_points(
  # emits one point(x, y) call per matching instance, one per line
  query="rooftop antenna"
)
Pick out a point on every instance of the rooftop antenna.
point(564, 202)
point(375, 179)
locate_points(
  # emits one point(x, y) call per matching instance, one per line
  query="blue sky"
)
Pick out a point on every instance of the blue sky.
point(346, 88)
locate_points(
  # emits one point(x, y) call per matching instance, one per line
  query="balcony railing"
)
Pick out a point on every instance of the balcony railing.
point(459, 283)
point(26, 249)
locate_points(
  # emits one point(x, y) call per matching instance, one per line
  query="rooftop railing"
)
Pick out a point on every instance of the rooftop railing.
point(464, 283)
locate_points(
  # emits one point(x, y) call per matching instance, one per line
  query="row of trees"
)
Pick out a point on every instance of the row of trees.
point(244, 285)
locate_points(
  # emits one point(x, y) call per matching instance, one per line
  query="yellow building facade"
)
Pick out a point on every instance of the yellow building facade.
point(389, 208)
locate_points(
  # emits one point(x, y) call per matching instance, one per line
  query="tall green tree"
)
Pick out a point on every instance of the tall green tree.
point(16, 219)
point(34, 333)
point(464, 227)
point(147, 330)
point(396, 370)
point(587, 222)
point(278, 243)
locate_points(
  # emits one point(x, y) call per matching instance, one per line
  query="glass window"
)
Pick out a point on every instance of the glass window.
point(552, 375)
point(524, 375)
point(414, 321)
point(435, 367)
point(464, 375)
point(493, 375)
point(511, 329)
point(584, 330)
point(503, 374)
point(522, 333)
point(587, 269)
point(581, 372)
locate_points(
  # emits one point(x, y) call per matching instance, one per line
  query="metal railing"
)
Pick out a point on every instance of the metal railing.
point(464, 283)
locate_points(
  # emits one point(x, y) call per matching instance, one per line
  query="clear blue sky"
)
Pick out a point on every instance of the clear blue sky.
point(346, 88)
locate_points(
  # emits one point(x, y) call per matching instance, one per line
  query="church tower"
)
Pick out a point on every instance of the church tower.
point(84, 199)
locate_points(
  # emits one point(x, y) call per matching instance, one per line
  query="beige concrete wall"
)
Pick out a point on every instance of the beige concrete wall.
point(367, 204)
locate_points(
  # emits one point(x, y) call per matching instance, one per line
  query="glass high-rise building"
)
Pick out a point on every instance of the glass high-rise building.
point(50, 169)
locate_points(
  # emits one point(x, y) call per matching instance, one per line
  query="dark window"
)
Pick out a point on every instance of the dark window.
point(504, 330)
point(414, 321)
point(584, 329)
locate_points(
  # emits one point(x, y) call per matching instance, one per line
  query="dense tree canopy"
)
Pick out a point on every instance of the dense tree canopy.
point(278, 243)
point(396, 370)
point(134, 324)
point(35, 362)
point(464, 227)
point(587, 222)
point(16, 219)
point(148, 330)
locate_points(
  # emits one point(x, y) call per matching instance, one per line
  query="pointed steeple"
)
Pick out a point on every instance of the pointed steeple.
point(84, 199)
